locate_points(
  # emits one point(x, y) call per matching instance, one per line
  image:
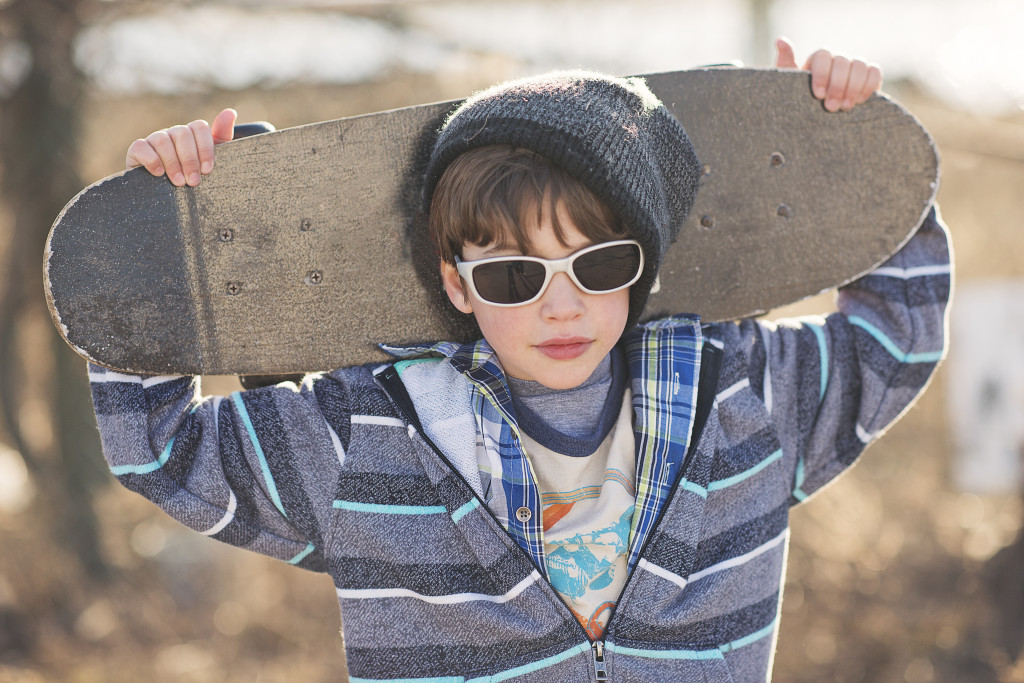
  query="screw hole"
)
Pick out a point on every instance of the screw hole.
point(776, 160)
point(707, 221)
point(784, 211)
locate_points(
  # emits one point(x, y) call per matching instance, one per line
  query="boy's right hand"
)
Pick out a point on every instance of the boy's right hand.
point(840, 82)
point(184, 153)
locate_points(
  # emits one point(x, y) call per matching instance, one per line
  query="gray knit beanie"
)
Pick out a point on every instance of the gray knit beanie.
point(611, 134)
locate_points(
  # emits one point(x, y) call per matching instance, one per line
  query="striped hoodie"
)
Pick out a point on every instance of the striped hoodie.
point(373, 480)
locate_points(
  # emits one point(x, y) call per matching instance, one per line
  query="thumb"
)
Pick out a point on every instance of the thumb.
point(223, 127)
point(784, 56)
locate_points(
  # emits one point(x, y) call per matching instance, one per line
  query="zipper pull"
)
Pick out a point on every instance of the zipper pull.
point(600, 673)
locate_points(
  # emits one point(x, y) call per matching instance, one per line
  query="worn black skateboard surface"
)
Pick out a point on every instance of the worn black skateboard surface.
point(305, 247)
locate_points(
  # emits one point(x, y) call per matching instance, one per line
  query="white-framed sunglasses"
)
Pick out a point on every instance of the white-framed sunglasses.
point(520, 280)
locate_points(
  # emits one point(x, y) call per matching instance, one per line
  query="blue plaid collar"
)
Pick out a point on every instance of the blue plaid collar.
point(476, 360)
point(466, 358)
point(663, 358)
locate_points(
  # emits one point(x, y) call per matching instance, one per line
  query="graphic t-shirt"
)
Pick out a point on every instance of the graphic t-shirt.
point(581, 449)
point(588, 506)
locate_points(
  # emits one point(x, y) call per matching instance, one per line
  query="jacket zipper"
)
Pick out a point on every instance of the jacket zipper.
point(600, 673)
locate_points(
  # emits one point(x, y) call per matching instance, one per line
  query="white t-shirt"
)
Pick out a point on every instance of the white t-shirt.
point(587, 504)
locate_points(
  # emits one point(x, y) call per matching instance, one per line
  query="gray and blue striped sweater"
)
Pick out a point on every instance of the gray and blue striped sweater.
point(338, 475)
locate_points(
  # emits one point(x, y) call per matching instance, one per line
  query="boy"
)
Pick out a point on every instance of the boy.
point(574, 497)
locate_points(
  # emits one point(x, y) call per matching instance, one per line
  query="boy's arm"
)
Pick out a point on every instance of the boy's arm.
point(257, 469)
point(833, 385)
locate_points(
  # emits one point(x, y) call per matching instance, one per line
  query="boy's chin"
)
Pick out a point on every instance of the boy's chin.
point(569, 376)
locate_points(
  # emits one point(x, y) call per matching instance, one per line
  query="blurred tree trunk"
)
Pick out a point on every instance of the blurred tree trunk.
point(39, 132)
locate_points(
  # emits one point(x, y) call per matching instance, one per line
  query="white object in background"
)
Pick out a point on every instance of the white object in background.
point(985, 395)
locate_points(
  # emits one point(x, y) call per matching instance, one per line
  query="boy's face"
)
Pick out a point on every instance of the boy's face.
point(559, 339)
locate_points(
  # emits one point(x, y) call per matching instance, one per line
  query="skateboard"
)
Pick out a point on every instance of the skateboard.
point(306, 247)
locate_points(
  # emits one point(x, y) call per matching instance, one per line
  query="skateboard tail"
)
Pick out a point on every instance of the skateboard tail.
point(921, 159)
point(800, 202)
point(114, 284)
point(51, 300)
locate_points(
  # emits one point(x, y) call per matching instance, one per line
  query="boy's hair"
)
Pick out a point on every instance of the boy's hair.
point(496, 194)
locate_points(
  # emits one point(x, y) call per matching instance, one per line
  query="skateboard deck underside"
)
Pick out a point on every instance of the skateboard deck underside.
point(306, 247)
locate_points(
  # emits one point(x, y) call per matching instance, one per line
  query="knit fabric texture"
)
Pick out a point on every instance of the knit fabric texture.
point(611, 134)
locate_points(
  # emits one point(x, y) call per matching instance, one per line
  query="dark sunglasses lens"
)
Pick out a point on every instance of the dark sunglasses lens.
point(607, 268)
point(508, 282)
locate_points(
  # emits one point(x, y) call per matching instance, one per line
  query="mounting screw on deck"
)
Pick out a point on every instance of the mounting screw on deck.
point(776, 160)
point(306, 225)
point(705, 171)
point(314, 277)
point(227, 234)
point(233, 288)
point(784, 211)
point(707, 221)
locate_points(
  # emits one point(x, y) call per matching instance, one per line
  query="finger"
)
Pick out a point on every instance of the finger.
point(162, 144)
point(224, 126)
point(854, 85)
point(203, 137)
point(873, 82)
point(867, 87)
point(141, 153)
point(187, 152)
point(784, 55)
point(222, 130)
point(837, 83)
point(820, 66)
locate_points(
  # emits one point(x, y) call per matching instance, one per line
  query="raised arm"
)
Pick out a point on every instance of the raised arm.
point(256, 469)
point(833, 385)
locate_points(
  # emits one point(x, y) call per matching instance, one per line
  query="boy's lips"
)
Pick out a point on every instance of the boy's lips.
point(564, 348)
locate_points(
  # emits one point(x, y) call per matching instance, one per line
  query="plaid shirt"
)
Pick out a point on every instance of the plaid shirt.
point(663, 359)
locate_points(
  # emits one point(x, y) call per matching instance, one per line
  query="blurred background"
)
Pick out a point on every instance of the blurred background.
point(910, 568)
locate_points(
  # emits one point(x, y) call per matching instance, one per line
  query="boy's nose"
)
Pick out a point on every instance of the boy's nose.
point(563, 300)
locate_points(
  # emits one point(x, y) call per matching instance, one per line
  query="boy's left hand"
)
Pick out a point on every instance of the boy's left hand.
point(840, 81)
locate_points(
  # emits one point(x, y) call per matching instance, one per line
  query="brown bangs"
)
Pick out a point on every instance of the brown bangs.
point(496, 195)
